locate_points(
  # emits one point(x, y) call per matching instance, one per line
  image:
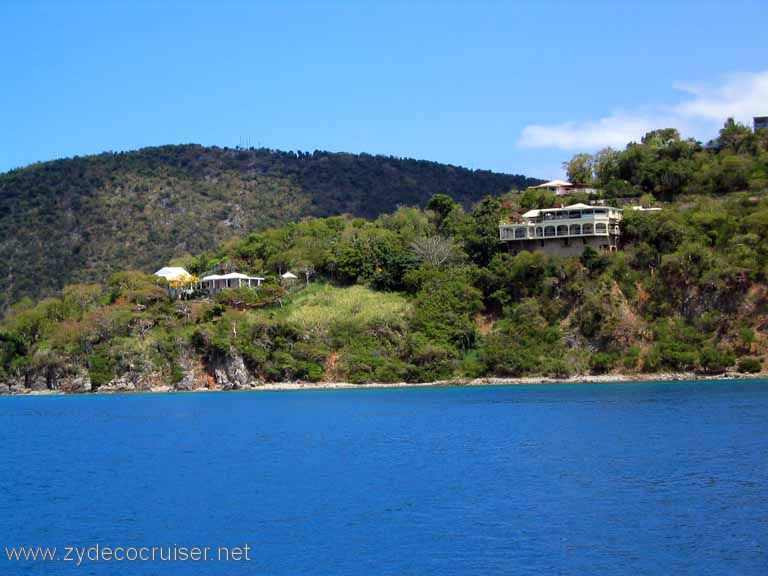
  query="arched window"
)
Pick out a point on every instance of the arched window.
point(600, 228)
point(519, 232)
point(588, 229)
point(562, 230)
point(549, 231)
point(575, 230)
point(539, 231)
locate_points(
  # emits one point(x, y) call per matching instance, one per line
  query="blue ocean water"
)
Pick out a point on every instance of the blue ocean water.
point(554, 479)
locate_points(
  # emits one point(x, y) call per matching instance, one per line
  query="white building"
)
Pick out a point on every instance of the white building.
point(561, 187)
point(216, 283)
point(564, 231)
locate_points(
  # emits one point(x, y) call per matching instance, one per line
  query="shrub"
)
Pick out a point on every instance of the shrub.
point(137, 287)
point(265, 295)
point(750, 365)
point(100, 368)
point(714, 360)
point(670, 356)
point(471, 364)
point(631, 357)
point(444, 309)
point(430, 361)
point(602, 362)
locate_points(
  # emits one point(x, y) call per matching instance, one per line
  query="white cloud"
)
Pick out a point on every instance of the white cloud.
point(699, 115)
point(614, 130)
point(741, 97)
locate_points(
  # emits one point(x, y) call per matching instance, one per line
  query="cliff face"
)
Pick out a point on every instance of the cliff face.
point(218, 372)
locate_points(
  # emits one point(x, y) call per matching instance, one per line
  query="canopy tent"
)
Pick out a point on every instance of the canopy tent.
point(173, 273)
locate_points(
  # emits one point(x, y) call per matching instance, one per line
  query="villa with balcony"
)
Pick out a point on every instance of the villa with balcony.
point(564, 231)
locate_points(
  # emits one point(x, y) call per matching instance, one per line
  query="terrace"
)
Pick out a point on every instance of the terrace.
point(578, 220)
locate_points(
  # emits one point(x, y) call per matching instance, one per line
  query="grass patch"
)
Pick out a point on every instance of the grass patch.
point(318, 308)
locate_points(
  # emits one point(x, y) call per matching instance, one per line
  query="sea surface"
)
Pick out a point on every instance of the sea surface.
point(637, 479)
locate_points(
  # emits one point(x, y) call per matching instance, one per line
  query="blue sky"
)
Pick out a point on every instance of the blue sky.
point(508, 86)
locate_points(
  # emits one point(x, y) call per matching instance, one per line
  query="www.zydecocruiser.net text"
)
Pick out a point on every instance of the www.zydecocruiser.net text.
point(78, 555)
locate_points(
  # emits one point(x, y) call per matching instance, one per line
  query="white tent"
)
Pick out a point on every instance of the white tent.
point(171, 273)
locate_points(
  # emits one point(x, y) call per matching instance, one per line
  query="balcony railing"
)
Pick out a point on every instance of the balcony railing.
point(560, 230)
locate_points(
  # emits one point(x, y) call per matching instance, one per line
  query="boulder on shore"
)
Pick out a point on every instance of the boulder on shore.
point(230, 372)
point(79, 384)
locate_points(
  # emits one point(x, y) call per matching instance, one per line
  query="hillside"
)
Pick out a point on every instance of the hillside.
point(376, 310)
point(80, 219)
point(426, 294)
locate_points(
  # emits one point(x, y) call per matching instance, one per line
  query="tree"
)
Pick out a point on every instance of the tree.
point(592, 260)
point(579, 168)
point(136, 287)
point(308, 270)
point(78, 298)
point(537, 198)
point(446, 211)
point(441, 205)
point(606, 166)
point(434, 250)
point(481, 231)
point(733, 136)
point(661, 138)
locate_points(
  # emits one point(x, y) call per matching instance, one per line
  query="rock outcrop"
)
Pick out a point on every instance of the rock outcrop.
point(77, 384)
point(229, 371)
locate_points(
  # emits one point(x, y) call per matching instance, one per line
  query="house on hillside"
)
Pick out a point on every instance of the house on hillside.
point(564, 231)
point(218, 282)
point(563, 188)
point(180, 282)
point(288, 278)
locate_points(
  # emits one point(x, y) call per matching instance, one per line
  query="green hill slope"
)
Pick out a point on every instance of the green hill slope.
point(82, 218)
point(423, 295)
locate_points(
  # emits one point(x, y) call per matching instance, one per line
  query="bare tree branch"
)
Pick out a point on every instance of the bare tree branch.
point(435, 250)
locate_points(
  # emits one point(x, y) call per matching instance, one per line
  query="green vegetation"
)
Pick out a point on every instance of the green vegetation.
point(81, 219)
point(424, 294)
point(667, 166)
point(322, 308)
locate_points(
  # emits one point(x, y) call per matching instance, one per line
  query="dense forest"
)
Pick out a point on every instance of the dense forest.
point(421, 294)
point(81, 219)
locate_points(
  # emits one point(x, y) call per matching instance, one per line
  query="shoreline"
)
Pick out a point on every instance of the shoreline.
point(455, 383)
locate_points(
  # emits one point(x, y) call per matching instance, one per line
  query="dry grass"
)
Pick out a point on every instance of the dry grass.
point(318, 308)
